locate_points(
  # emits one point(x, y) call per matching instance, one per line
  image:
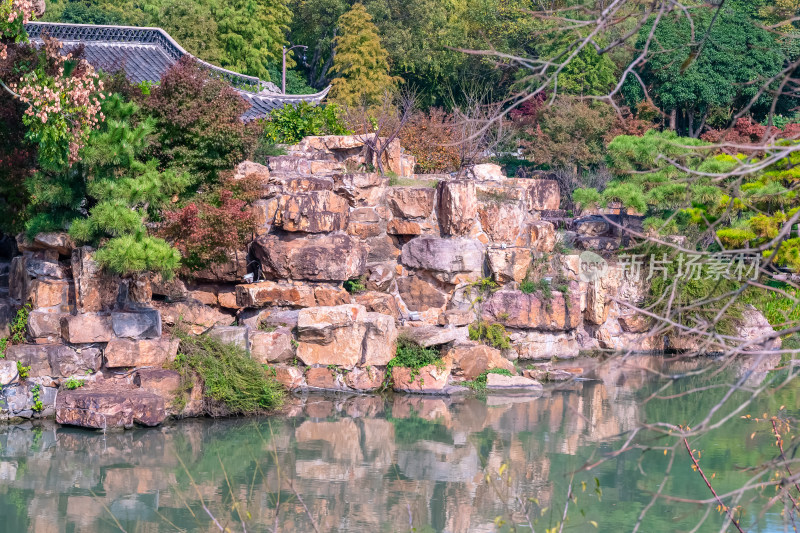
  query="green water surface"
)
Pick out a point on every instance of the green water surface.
point(403, 463)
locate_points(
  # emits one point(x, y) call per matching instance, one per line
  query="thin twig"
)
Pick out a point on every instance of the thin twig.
point(708, 484)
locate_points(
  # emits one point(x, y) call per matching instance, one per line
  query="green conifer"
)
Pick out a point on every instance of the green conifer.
point(361, 64)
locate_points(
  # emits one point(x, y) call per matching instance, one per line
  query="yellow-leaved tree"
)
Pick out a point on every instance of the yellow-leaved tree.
point(360, 64)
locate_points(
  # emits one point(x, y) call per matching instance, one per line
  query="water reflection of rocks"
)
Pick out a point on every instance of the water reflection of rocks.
point(360, 463)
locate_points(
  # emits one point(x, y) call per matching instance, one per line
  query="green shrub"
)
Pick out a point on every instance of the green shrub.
point(411, 355)
point(479, 383)
point(20, 325)
point(354, 286)
point(492, 334)
point(529, 286)
point(291, 124)
point(232, 382)
point(36, 392)
point(73, 383)
point(24, 371)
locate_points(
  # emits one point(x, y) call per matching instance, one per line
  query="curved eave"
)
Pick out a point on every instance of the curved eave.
point(262, 105)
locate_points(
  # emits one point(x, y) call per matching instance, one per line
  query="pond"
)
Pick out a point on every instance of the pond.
point(403, 463)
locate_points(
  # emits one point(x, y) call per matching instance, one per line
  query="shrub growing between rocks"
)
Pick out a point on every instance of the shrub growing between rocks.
point(492, 334)
point(411, 355)
point(233, 384)
point(290, 124)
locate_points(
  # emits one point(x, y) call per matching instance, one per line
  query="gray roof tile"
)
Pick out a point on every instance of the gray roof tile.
point(146, 53)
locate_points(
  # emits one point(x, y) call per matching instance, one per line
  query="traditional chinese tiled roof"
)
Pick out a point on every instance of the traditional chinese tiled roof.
point(146, 53)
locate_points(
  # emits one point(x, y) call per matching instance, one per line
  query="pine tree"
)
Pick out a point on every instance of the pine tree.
point(361, 64)
point(123, 190)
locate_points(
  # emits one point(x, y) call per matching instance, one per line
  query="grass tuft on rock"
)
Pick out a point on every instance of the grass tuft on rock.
point(479, 383)
point(233, 384)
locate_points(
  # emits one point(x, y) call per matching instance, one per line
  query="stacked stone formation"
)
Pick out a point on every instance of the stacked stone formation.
point(417, 250)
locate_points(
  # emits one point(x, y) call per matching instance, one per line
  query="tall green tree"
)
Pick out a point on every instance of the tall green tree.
point(690, 76)
point(314, 24)
point(361, 64)
point(252, 33)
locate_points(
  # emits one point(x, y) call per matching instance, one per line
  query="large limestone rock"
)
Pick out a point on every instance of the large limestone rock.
point(532, 311)
point(380, 340)
point(632, 322)
point(380, 276)
point(411, 202)
point(231, 270)
point(8, 372)
point(236, 335)
point(109, 409)
point(383, 249)
point(271, 293)
point(366, 379)
point(592, 226)
point(597, 303)
point(448, 260)
point(251, 170)
point(364, 223)
point(458, 206)
point(142, 324)
point(18, 279)
point(313, 212)
point(379, 302)
point(509, 264)
point(756, 331)
point(161, 382)
point(219, 294)
point(501, 214)
point(427, 336)
point(66, 361)
point(45, 324)
point(533, 345)
point(544, 195)
point(360, 189)
point(86, 328)
point(35, 356)
point(141, 352)
point(487, 172)
point(420, 295)
point(94, 290)
point(334, 257)
point(271, 346)
point(499, 382)
point(327, 295)
point(324, 378)
point(192, 314)
point(430, 379)
point(50, 293)
point(331, 335)
point(542, 236)
point(290, 377)
point(59, 242)
point(471, 360)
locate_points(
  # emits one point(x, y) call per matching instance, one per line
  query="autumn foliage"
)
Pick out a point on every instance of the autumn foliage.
point(205, 229)
point(746, 131)
point(432, 138)
point(198, 120)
